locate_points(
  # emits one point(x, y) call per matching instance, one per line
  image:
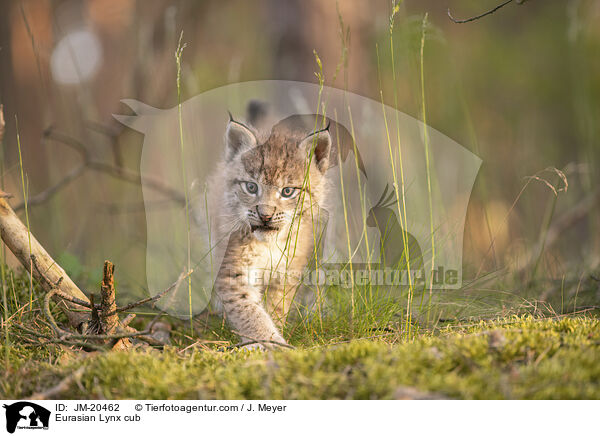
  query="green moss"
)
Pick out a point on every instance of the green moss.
point(520, 357)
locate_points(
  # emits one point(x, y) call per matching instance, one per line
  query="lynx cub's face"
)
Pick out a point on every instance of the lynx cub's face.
point(269, 185)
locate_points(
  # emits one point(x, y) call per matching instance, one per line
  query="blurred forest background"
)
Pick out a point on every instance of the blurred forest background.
point(520, 88)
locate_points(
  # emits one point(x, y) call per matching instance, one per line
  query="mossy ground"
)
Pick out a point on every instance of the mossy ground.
point(516, 358)
point(541, 355)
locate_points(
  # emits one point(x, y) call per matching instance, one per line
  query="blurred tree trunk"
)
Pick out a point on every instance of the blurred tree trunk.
point(299, 27)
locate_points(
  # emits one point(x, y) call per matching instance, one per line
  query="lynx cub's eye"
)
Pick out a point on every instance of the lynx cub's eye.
point(250, 187)
point(289, 192)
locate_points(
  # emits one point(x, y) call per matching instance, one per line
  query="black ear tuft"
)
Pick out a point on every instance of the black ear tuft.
point(238, 138)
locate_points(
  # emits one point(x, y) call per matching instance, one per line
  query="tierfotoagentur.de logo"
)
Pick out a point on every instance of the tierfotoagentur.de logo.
point(24, 415)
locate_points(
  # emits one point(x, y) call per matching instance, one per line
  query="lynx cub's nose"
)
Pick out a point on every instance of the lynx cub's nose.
point(265, 212)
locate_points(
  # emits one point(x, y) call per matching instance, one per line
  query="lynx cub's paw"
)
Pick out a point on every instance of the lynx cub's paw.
point(252, 347)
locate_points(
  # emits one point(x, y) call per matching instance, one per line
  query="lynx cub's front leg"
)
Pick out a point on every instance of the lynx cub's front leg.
point(247, 316)
point(242, 300)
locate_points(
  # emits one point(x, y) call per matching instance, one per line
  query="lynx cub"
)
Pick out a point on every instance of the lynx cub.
point(265, 196)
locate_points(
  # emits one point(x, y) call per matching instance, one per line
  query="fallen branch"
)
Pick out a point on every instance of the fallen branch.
point(61, 294)
point(47, 272)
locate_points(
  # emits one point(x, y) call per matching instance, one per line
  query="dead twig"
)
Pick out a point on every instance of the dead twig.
point(53, 340)
point(127, 320)
point(112, 134)
point(108, 315)
point(104, 324)
point(109, 320)
point(60, 388)
point(101, 337)
point(201, 342)
point(264, 342)
point(157, 297)
point(46, 194)
point(88, 163)
point(87, 340)
point(135, 207)
point(49, 316)
point(90, 305)
point(477, 17)
point(135, 178)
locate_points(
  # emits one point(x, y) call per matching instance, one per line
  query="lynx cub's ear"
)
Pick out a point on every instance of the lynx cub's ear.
point(238, 138)
point(321, 143)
